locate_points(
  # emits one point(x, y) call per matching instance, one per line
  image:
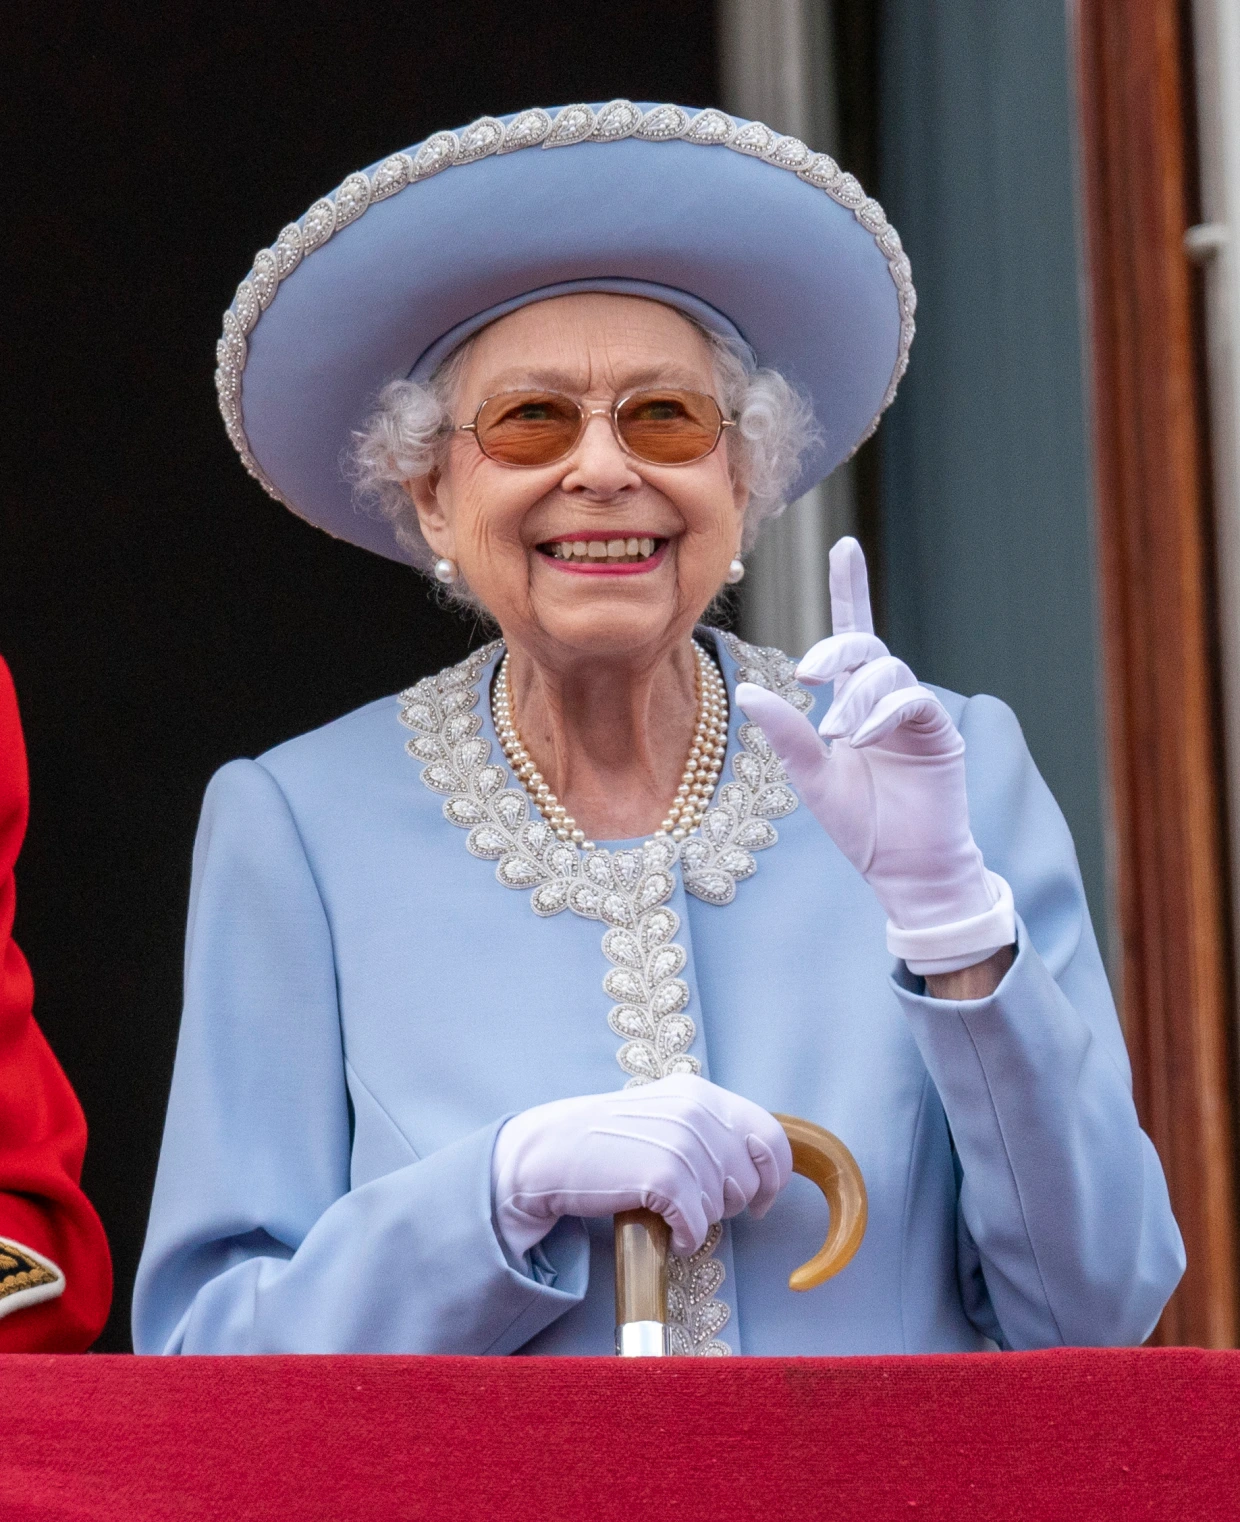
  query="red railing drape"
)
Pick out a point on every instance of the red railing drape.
point(1055, 1437)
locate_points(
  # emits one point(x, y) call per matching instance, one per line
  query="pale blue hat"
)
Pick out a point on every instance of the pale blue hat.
point(749, 232)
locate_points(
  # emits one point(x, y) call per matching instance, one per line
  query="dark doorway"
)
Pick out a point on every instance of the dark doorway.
point(159, 613)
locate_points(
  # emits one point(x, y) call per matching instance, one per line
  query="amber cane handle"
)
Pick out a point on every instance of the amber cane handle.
point(642, 1240)
point(827, 1162)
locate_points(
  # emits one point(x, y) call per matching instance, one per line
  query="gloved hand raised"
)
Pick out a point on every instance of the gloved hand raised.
point(682, 1147)
point(888, 786)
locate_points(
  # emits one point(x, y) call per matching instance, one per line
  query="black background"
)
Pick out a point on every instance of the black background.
point(160, 614)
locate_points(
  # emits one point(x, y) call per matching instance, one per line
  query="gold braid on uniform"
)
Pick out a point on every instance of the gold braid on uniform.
point(19, 1271)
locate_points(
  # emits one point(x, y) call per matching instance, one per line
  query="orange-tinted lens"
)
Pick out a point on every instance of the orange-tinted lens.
point(669, 427)
point(528, 427)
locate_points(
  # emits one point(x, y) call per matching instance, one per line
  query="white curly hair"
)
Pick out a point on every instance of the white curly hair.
point(406, 436)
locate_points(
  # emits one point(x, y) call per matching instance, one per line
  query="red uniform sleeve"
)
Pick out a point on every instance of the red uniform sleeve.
point(42, 1131)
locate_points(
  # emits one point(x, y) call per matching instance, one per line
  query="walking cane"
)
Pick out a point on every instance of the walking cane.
point(642, 1239)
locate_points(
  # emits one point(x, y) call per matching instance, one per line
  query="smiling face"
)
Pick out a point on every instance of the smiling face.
point(599, 554)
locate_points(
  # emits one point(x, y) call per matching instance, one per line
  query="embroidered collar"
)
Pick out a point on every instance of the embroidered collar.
point(614, 886)
point(626, 889)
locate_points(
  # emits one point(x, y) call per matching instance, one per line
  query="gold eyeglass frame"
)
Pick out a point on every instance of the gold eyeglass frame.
point(584, 415)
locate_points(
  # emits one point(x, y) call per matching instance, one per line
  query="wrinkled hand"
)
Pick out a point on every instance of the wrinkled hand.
point(887, 783)
point(682, 1147)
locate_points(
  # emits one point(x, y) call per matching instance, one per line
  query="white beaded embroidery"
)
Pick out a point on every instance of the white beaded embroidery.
point(572, 124)
point(627, 890)
point(695, 1317)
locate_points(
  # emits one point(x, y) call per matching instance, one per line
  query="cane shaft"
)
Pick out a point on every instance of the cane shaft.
point(642, 1240)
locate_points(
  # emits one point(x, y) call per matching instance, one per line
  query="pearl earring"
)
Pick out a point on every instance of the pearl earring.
point(736, 572)
point(446, 571)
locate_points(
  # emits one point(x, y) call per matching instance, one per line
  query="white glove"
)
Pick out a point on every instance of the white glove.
point(893, 797)
point(684, 1148)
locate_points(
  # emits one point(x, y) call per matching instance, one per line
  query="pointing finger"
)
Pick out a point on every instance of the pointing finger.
point(850, 590)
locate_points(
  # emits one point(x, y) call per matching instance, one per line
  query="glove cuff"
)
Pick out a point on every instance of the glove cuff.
point(947, 948)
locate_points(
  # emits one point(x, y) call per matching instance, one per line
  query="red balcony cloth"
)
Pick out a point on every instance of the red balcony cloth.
point(42, 1128)
point(1056, 1437)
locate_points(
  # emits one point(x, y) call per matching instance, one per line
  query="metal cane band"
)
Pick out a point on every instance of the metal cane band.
point(643, 1339)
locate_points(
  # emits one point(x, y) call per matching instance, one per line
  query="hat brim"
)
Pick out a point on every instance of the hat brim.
point(740, 221)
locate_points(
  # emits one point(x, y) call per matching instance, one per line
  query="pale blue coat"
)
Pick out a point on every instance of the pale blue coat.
point(365, 1004)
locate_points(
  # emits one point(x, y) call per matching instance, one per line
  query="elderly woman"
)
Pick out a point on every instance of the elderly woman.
point(549, 937)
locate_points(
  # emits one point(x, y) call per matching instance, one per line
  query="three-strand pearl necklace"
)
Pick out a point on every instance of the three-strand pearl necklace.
point(697, 781)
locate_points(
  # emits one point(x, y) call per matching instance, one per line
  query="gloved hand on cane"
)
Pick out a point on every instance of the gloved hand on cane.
point(887, 783)
point(688, 1150)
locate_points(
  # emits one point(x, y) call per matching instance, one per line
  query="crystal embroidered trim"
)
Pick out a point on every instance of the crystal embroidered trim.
point(695, 1317)
point(626, 890)
point(572, 124)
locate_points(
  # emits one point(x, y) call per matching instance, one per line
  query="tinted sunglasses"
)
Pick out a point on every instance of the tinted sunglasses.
point(660, 425)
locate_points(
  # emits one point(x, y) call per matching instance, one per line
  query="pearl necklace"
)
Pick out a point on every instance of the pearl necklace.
point(697, 781)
